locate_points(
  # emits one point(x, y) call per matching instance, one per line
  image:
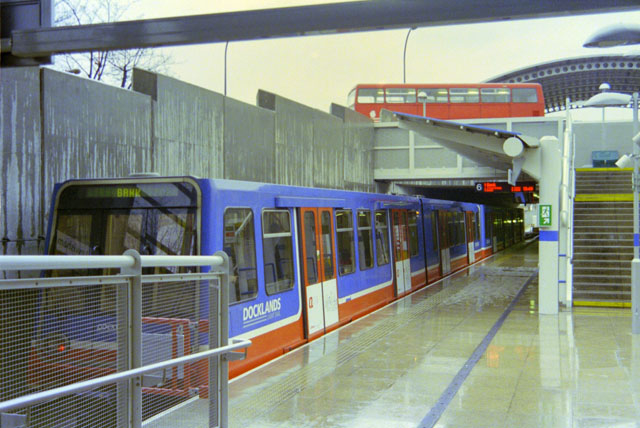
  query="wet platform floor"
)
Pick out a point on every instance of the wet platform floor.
point(401, 366)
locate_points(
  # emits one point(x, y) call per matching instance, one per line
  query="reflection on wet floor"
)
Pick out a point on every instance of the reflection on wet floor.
point(391, 367)
point(580, 368)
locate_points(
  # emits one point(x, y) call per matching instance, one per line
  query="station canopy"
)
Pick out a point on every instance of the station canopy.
point(578, 78)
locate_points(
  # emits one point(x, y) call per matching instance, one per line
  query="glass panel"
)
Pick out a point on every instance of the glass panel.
point(434, 230)
point(413, 233)
point(365, 240)
point(495, 95)
point(401, 95)
point(351, 99)
point(311, 247)
point(382, 238)
point(327, 245)
point(346, 250)
point(434, 95)
point(464, 95)
point(524, 95)
point(370, 95)
point(73, 235)
point(278, 251)
point(240, 245)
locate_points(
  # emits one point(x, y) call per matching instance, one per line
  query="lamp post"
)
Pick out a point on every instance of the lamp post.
point(404, 56)
point(422, 98)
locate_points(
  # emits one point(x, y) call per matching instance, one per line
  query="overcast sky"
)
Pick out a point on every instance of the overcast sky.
point(319, 70)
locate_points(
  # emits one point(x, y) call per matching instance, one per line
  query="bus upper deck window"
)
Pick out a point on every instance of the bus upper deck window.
point(351, 99)
point(524, 95)
point(370, 95)
point(495, 95)
point(401, 95)
point(464, 95)
point(435, 95)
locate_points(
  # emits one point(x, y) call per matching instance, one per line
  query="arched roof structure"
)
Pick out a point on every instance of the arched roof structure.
point(578, 78)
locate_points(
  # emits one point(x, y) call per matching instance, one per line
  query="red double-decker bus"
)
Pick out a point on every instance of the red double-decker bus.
point(449, 101)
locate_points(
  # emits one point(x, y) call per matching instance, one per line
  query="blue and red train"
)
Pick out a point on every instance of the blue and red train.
point(305, 261)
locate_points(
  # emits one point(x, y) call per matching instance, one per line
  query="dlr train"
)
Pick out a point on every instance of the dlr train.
point(305, 261)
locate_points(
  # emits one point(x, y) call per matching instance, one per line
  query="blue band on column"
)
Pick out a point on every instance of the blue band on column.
point(636, 239)
point(549, 235)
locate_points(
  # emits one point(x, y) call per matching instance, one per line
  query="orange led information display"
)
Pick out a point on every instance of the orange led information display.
point(501, 187)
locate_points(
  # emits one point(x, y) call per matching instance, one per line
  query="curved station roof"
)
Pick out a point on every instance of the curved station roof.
point(578, 78)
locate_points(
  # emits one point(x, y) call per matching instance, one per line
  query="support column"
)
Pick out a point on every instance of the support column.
point(549, 207)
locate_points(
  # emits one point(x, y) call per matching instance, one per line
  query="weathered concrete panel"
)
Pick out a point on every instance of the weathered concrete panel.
point(293, 139)
point(358, 150)
point(328, 143)
point(249, 142)
point(92, 130)
point(187, 123)
point(21, 221)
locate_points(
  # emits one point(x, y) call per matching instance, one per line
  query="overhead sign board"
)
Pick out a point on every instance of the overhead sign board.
point(504, 187)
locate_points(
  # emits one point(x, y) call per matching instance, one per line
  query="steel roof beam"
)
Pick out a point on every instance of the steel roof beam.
point(290, 22)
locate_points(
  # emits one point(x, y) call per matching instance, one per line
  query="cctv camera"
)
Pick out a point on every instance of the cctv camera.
point(624, 162)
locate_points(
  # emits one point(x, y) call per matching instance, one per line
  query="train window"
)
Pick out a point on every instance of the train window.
point(461, 231)
point(327, 245)
point(240, 245)
point(413, 233)
point(365, 240)
point(401, 95)
point(524, 95)
point(434, 95)
point(434, 230)
point(277, 250)
point(476, 223)
point(370, 95)
point(382, 238)
point(495, 95)
point(464, 95)
point(451, 229)
point(346, 251)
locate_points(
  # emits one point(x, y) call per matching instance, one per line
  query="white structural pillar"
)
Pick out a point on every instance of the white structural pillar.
point(548, 217)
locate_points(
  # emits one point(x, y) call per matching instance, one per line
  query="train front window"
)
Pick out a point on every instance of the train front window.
point(108, 219)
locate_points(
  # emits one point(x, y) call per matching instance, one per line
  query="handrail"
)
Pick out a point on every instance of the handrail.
point(96, 262)
point(39, 397)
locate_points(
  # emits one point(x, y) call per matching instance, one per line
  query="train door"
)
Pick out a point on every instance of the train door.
point(444, 220)
point(471, 232)
point(319, 269)
point(401, 251)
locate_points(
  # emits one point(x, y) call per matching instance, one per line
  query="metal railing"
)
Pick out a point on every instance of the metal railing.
point(106, 345)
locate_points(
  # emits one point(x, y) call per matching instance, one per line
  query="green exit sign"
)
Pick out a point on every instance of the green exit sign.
point(544, 215)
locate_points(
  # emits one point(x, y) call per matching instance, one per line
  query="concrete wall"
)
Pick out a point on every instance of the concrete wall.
point(187, 126)
point(56, 126)
point(91, 130)
point(21, 192)
point(249, 142)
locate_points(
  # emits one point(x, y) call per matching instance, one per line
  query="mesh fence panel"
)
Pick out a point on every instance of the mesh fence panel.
point(172, 328)
point(59, 336)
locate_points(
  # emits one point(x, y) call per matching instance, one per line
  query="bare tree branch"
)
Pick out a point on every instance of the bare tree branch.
point(111, 67)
